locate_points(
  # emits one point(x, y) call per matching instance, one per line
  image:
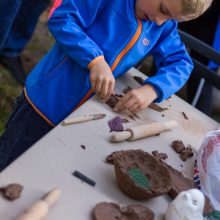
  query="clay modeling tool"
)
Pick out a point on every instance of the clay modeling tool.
point(82, 118)
point(39, 210)
point(84, 178)
point(142, 131)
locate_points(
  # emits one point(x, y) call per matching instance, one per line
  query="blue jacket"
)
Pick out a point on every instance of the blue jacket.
point(85, 31)
point(216, 44)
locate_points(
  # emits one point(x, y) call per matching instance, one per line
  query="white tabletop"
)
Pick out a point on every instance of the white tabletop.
point(51, 161)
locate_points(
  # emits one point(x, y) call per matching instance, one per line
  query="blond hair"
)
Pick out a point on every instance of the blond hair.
point(195, 8)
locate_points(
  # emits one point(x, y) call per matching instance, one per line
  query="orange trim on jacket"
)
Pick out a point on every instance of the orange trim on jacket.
point(56, 4)
point(94, 61)
point(114, 65)
point(39, 112)
point(117, 60)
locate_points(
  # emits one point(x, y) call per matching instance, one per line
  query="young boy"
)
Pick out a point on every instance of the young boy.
point(96, 42)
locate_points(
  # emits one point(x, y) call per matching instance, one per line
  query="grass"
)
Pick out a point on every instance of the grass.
point(38, 46)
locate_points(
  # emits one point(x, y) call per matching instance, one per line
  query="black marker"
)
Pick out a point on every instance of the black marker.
point(84, 178)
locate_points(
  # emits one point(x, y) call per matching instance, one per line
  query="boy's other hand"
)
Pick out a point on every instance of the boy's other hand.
point(137, 99)
point(102, 80)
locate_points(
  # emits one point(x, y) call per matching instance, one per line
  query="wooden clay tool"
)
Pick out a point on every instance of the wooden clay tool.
point(40, 208)
point(82, 118)
point(142, 131)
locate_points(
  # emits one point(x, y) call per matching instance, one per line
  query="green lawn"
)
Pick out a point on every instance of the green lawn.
point(35, 50)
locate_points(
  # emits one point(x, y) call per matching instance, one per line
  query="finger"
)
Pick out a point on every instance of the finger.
point(121, 102)
point(110, 91)
point(104, 89)
point(98, 87)
point(93, 84)
point(128, 104)
point(138, 109)
point(134, 107)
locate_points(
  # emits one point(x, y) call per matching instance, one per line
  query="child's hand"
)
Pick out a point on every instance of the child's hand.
point(137, 99)
point(102, 80)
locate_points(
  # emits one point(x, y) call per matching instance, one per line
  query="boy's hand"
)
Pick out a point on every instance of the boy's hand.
point(137, 99)
point(102, 80)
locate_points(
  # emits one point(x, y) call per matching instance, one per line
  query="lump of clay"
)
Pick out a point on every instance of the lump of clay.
point(186, 153)
point(140, 175)
point(156, 107)
point(113, 100)
point(162, 156)
point(178, 146)
point(187, 205)
point(179, 182)
point(139, 79)
point(116, 124)
point(12, 191)
point(112, 211)
point(111, 157)
point(126, 90)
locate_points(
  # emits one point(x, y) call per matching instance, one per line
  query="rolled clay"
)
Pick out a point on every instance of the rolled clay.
point(142, 131)
point(40, 209)
point(188, 205)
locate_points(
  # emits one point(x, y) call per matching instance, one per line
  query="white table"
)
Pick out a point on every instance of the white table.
point(51, 161)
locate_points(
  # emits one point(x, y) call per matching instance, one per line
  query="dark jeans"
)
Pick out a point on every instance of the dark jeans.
point(18, 19)
point(23, 129)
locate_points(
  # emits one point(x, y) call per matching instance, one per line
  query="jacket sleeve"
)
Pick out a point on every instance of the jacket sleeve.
point(173, 63)
point(68, 23)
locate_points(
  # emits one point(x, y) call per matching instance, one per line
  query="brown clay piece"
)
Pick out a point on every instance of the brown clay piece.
point(162, 156)
point(12, 191)
point(186, 153)
point(178, 146)
point(156, 107)
point(112, 211)
point(139, 79)
point(185, 116)
point(113, 100)
point(83, 146)
point(140, 175)
point(180, 183)
point(111, 157)
point(126, 90)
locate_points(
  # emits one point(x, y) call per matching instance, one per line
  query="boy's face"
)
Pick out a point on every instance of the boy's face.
point(159, 11)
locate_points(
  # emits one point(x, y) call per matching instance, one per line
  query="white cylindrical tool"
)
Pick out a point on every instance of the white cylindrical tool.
point(40, 209)
point(142, 131)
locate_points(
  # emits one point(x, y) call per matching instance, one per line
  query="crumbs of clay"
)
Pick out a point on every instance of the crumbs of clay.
point(184, 152)
point(112, 211)
point(12, 191)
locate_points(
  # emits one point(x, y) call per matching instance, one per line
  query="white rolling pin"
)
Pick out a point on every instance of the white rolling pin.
point(142, 131)
point(39, 209)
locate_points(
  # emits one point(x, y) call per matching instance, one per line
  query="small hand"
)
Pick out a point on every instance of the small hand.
point(137, 99)
point(102, 80)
